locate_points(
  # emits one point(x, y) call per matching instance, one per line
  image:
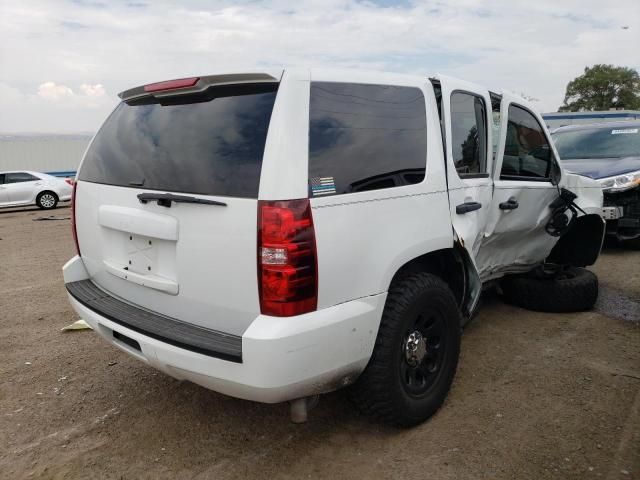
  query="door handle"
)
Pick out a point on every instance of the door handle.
point(510, 204)
point(467, 207)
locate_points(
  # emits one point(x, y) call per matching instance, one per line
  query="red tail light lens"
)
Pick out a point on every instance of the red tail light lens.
point(73, 217)
point(171, 84)
point(287, 266)
point(69, 181)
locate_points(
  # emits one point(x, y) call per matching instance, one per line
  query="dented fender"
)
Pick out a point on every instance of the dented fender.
point(588, 190)
point(581, 245)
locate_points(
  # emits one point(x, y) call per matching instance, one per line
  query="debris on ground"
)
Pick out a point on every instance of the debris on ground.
point(78, 325)
point(50, 217)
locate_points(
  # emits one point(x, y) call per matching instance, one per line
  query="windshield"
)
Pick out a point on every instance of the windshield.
point(601, 142)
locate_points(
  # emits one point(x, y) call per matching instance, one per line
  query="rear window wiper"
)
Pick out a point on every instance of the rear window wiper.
point(165, 199)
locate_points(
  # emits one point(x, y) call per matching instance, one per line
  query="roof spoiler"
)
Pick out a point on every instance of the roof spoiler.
point(186, 86)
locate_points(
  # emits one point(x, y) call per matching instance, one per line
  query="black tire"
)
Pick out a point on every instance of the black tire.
point(558, 289)
point(632, 244)
point(47, 200)
point(390, 388)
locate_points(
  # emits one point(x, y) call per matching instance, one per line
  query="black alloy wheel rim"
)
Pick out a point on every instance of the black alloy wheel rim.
point(423, 352)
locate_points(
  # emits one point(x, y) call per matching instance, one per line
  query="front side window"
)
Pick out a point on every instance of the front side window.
point(19, 177)
point(527, 154)
point(365, 137)
point(468, 134)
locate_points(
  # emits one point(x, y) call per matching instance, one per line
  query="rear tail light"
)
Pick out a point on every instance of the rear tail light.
point(73, 217)
point(69, 181)
point(287, 259)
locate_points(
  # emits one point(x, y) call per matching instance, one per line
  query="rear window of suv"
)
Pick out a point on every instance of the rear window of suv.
point(365, 137)
point(210, 144)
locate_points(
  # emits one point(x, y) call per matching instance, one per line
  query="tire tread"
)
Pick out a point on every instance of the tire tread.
point(371, 393)
point(549, 295)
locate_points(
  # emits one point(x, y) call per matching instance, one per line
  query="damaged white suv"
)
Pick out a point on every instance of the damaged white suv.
point(273, 236)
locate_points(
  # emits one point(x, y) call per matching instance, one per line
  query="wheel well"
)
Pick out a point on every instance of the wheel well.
point(446, 264)
point(581, 245)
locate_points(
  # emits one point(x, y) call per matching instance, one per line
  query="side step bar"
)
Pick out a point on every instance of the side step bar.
point(155, 325)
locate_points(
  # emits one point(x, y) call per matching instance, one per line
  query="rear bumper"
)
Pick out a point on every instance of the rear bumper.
point(281, 358)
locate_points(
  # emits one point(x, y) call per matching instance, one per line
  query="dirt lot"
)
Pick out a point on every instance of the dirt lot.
point(536, 395)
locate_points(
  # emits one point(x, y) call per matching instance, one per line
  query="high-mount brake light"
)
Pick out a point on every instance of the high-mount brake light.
point(287, 258)
point(171, 84)
point(74, 230)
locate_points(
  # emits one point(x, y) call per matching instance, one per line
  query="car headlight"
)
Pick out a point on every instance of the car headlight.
point(620, 183)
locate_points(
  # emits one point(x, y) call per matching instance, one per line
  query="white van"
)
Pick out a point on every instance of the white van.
point(278, 235)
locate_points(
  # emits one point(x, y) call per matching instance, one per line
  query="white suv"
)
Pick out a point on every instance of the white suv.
point(273, 236)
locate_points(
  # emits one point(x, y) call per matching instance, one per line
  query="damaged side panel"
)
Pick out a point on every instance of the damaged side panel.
point(472, 281)
point(516, 239)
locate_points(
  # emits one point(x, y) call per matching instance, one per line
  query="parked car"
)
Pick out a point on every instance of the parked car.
point(274, 236)
point(609, 153)
point(24, 187)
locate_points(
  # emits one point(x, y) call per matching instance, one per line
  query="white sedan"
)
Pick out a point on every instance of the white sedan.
point(23, 187)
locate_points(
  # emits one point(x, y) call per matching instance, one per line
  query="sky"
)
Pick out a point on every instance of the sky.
point(62, 63)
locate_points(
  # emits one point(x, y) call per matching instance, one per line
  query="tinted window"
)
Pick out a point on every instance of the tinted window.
point(526, 152)
point(365, 137)
point(608, 142)
point(468, 134)
point(212, 144)
point(19, 177)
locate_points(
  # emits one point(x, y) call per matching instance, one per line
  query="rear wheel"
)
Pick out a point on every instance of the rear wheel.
point(553, 288)
point(416, 353)
point(47, 200)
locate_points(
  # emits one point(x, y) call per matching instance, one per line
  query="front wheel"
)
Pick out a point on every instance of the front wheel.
point(47, 200)
point(416, 353)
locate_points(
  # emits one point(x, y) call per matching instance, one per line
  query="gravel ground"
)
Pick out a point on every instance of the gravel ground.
point(536, 396)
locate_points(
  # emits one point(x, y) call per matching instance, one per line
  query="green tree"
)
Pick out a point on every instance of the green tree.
point(602, 87)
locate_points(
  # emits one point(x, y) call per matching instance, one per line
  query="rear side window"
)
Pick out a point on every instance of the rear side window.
point(527, 155)
point(469, 134)
point(365, 137)
point(211, 144)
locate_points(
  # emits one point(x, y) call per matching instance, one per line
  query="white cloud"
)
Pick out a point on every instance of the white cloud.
point(32, 112)
point(96, 50)
point(52, 91)
point(96, 90)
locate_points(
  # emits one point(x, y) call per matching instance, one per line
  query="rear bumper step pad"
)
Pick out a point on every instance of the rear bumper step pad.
point(155, 325)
